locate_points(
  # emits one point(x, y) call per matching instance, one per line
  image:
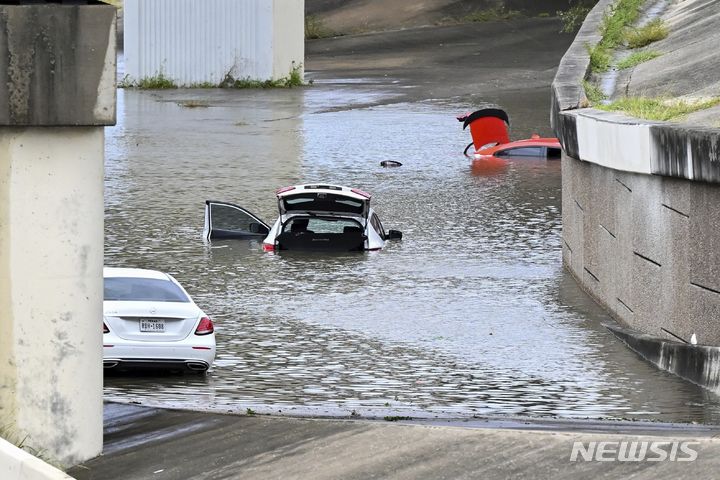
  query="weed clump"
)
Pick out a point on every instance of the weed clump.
point(293, 79)
point(315, 28)
point(593, 92)
point(658, 108)
point(161, 81)
point(156, 82)
point(493, 14)
point(600, 58)
point(651, 32)
point(636, 58)
point(11, 435)
point(614, 23)
point(573, 17)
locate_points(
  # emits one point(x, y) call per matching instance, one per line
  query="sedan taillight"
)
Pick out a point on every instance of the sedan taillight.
point(205, 327)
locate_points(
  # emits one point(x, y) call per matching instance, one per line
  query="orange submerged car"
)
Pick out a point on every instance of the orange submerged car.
point(489, 131)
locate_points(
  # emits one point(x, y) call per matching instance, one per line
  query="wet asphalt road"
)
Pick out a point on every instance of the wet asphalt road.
point(147, 443)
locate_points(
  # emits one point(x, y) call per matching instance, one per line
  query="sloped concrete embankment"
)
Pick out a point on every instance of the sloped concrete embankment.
point(640, 216)
point(351, 17)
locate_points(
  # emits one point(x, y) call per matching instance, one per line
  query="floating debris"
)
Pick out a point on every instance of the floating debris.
point(390, 163)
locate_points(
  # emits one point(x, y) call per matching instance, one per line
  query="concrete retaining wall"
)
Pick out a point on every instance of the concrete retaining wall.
point(632, 145)
point(640, 210)
point(645, 247)
point(17, 464)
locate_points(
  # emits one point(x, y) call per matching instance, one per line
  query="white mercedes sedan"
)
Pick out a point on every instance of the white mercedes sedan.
point(151, 321)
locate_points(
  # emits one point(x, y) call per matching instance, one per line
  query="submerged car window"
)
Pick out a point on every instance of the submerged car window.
point(226, 217)
point(323, 202)
point(322, 225)
point(522, 152)
point(377, 225)
point(131, 289)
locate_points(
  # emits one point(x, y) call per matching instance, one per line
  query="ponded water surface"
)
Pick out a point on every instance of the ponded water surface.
point(471, 314)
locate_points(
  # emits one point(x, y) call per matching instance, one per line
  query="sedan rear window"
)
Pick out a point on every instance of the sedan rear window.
point(131, 289)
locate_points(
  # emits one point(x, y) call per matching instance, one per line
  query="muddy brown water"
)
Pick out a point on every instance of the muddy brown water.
point(471, 314)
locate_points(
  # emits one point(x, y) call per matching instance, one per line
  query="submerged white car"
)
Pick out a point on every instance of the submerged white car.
point(151, 321)
point(312, 217)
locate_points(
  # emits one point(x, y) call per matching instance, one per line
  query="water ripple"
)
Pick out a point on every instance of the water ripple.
point(470, 314)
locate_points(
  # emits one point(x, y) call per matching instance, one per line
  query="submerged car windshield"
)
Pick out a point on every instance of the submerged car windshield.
point(323, 202)
point(132, 289)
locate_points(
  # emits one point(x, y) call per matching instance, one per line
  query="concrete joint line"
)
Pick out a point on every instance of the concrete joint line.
point(649, 260)
point(626, 187)
point(591, 274)
point(707, 289)
point(625, 305)
point(675, 210)
point(608, 231)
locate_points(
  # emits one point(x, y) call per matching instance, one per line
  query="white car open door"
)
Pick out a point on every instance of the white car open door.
point(225, 220)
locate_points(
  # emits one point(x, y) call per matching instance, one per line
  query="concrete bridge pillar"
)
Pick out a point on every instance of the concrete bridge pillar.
point(57, 92)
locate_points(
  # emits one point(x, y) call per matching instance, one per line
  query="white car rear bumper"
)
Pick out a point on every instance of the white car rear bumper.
point(197, 355)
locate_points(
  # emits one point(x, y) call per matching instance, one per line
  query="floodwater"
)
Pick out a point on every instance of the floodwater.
point(471, 314)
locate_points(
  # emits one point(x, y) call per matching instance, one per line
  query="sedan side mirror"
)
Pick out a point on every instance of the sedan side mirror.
point(393, 235)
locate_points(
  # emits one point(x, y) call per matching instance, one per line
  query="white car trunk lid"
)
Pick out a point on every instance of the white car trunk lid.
point(336, 202)
point(151, 321)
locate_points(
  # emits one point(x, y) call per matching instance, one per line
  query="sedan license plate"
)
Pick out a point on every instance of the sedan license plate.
point(156, 325)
